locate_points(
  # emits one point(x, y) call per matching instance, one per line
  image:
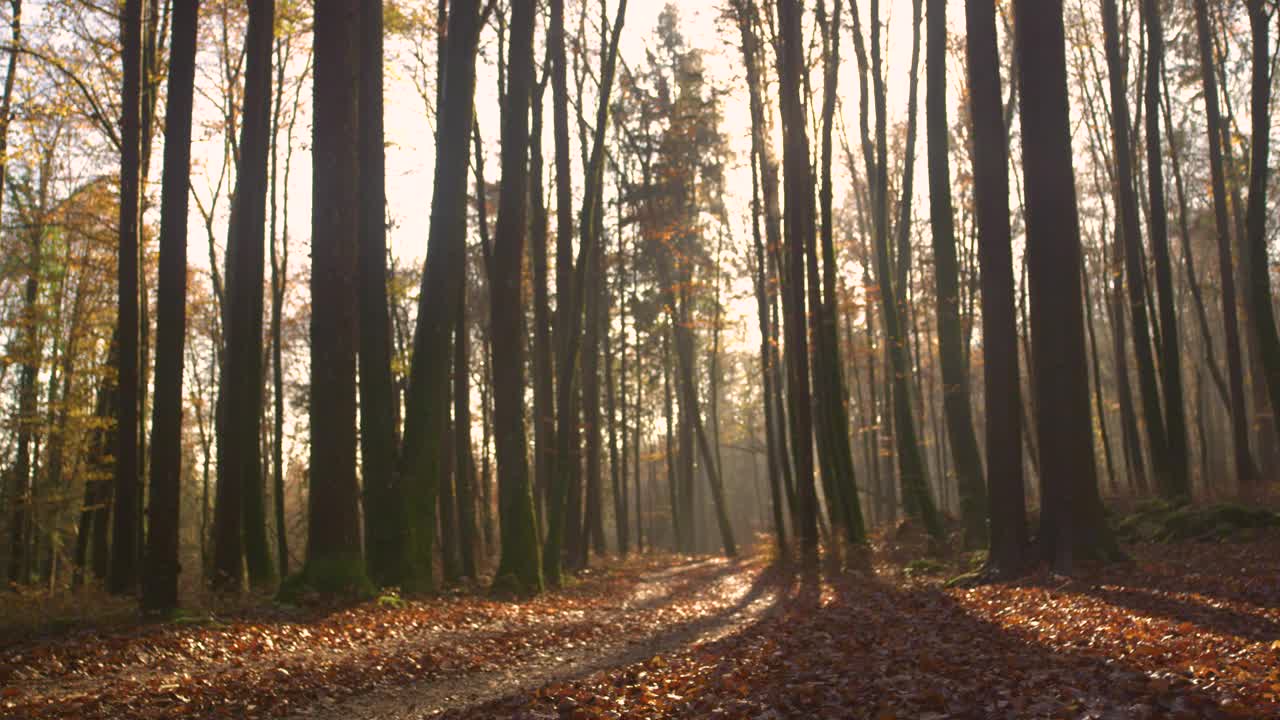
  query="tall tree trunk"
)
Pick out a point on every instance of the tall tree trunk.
point(566, 430)
point(544, 413)
point(382, 516)
point(6, 99)
point(901, 249)
point(831, 399)
point(160, 588)
point(518, 566)
point(464, 463)
point(427, 397)
point(798, 183)
point(571, 276)
point(1261, 423)
point(6, 104)
point(626, 451)
point(774, 250)
point(1113, 297)
point(951, 349)
point(91, 533)
point(334, 562)
point(916, 499)
point(450, 561)
point(1124, 388)
point(279, 279)
point(1099, 405)
point(766, 354)
point(669, 422)
point(1188, 252)
point(617, 458)
point(486, 431)
point(152, 47)
point(747, 16)
point(593, 523)
point(240, 528)
point(19, 483)
point(1071, 521)
point(1134, 264)
point(635, 440)
point(692, 424)
point(123, 577)
point(30, 358)
point(1246, 473)
point(1177, 465)
point(1261, 310)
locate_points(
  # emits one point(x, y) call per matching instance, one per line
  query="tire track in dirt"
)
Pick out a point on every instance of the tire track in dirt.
point(677, 606)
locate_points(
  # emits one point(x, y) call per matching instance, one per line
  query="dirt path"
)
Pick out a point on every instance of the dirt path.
point(380, 659)
point(668, 609)
point(1186, 631)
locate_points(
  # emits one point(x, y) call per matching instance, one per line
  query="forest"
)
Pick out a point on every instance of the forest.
point(594, 359)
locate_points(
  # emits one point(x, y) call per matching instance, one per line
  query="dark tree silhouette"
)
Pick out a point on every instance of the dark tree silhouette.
point(571, 278)
point(239, 513)
point(1264, 322)
point(951, 350)
point(1134, 261)
point(334, 561)
point(160, 584)
point(123, 577)
point(798, 187)
point(427, 397)
point(518, 566)
point(1178, 481)
point(1246, 472)
point(1002, 397)
point(1071, 521)
point(378, 402)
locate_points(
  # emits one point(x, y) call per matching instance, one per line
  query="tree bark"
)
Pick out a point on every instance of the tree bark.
point(123, 577)
point(1177, 465)
point(447, 510)
point(1188, 253)
point(6, 100)
point(669, 422)
point(334, 561)
point(239, 512)
point(571, 276)
point(382, 516)
point(951, 349)
point(427, 397)
point(831, 399)
point(518, 566)
point(916, 499)
point(798, 183)
point(766, 354)
point(1246, 473)
point(544, 412)
point(1261, 310)
point(1134, 263)
point(30, 359)
point(160, 588)
point(593, 524)
point(1071, 522)
point(464, 463)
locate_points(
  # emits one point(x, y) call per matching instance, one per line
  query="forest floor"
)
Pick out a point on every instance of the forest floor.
point(1185, 630)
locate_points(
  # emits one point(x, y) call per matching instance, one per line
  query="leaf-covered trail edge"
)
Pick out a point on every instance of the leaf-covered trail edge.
point(272, 663)
point(1184, 631)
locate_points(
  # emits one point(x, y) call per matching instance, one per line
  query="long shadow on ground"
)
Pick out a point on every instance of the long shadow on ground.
point(859, 648)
